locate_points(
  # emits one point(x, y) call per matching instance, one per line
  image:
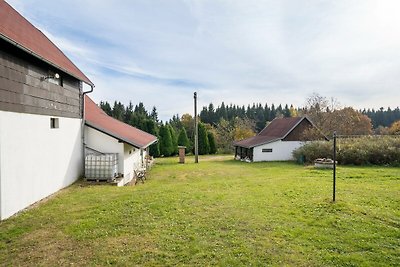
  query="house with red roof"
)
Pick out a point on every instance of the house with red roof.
point(41, 115)
point(276, 141)
point(106, 135)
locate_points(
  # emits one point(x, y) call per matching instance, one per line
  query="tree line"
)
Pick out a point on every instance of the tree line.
point(258, 113)
point(220, 126)
point(178, 131)
point(382, 117)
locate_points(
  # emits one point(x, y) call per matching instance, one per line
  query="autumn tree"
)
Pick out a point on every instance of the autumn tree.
point(395, 128)
point(224, 136)
point(187, 122)
point(243, 128)
point(328, 117)
point(347, 121)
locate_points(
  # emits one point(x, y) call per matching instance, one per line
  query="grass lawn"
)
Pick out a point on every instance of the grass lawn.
point(218, 212)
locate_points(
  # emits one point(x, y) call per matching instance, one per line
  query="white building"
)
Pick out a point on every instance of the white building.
point(276, 141)
point(104, 134)
point(41, 126)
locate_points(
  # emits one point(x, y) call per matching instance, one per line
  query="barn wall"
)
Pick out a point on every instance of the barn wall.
point(23, 89)
point(281, 150)
point(297, 133)
point(36, 160)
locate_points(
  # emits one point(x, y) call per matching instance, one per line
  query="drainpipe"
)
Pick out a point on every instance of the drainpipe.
point(83, 126)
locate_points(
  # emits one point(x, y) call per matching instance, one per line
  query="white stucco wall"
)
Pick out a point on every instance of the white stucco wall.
point(129, 157)
point(133, 161)
point(36, 161)
point(106, 144)
point(281, 150)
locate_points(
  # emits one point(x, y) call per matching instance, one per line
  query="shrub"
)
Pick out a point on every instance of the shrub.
point(376, 150)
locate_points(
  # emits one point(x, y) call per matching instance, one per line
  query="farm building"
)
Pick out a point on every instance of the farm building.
point(275, 142)
point(106, 135)
point(41, 126)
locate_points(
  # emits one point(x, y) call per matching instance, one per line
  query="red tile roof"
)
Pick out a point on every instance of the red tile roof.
point(278, 129)
point(15, 29)
point(96, 118)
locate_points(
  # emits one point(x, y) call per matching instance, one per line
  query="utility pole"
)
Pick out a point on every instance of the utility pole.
point(196, 133)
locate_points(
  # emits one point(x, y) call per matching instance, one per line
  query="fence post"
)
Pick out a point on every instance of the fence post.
point(334, 166)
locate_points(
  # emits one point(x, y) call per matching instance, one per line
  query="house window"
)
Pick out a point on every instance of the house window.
point(267, 150)
point(54, 123)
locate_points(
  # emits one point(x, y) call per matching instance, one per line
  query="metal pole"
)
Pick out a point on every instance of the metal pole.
point(334, 166)
point(196, 137)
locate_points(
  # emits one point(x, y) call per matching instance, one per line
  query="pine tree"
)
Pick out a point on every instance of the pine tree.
point(128, 113)
point(174, 139)
point(154, 114)
point(105, 106)
point(183, 140)
point(155, 150)
point(166, 147)
point(204, 146)
point(213, 145)
point(118, 111)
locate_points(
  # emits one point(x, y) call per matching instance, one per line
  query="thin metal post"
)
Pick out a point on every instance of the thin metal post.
point(334, 166)
point(196, 136)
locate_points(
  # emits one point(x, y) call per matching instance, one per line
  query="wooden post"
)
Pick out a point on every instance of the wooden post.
point(196, 137)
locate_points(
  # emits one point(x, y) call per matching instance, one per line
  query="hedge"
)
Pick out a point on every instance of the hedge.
point(368, 150)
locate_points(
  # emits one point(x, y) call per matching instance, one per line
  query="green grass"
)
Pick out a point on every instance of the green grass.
point(218, 212)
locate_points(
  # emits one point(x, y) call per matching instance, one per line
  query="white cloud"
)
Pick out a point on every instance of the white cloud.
point(234, 51)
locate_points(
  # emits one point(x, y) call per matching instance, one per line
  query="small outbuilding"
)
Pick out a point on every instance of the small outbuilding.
point(106, 135)
point(275, 142)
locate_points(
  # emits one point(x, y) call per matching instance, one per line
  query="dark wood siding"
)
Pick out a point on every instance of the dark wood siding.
point(22, 90)
point(297, 133)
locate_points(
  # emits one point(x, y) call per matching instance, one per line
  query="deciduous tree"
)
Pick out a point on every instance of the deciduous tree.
point(395, 128)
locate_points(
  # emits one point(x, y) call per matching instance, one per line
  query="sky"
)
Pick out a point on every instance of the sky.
point(240, 51)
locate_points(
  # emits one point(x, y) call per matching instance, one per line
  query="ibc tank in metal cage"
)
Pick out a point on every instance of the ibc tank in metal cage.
point(101, 167)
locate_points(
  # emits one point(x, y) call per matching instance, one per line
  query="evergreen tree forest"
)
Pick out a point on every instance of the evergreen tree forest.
point(382, 117)
point(220, 126)
point(177, 131)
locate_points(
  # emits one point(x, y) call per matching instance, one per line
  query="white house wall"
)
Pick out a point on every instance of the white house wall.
point(129, 157)
point(133, 161)
point(281, 150)
point(106, 144)
point(35, 160)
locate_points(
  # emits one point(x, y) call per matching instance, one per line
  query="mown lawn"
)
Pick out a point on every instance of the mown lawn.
point(218, 212)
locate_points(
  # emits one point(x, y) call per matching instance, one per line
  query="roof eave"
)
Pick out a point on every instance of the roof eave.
point(259, 144)
point(124, 140)
point(11, 41)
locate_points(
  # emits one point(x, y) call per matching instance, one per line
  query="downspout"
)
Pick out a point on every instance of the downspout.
point(83, 127)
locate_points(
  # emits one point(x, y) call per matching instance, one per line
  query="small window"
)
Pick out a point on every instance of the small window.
point(268, 150)
point(54, 123)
